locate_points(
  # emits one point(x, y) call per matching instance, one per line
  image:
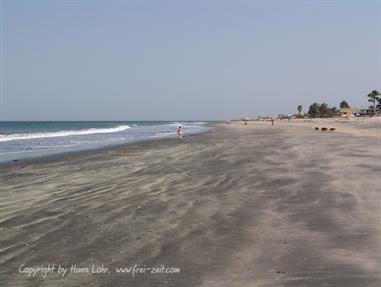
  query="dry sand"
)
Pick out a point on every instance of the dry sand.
point(254, 205)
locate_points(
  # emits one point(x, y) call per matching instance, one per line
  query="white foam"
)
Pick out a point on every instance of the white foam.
point(27, 136)
point(175, 124)
point(187, 124)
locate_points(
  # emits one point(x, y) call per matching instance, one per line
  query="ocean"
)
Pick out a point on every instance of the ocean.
point(20, 140)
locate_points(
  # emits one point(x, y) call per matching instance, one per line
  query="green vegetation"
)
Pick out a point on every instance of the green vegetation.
point(300, 108)
point(321, 111)
point(374, 98)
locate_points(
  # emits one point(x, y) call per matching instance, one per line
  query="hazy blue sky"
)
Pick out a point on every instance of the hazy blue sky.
point(123, 60)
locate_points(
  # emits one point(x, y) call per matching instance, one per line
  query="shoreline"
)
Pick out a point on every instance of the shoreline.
point(68, 155)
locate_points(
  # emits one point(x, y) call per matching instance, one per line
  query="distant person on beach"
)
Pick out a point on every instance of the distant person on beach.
point(272, 122)
point(180, 132)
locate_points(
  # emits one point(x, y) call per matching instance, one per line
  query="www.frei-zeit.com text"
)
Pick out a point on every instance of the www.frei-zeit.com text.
point(132, 270)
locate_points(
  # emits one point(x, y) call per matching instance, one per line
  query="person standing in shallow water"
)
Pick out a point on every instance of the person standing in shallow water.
point(180, 132)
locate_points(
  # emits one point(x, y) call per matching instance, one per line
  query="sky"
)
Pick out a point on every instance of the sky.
point(172, 60)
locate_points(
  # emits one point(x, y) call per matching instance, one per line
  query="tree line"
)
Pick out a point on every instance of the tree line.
point(322, 110)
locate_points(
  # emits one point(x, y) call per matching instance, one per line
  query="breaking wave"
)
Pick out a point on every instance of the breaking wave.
point(27, 136)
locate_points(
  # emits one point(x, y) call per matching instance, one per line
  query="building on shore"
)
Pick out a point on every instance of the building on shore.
point(349, 112)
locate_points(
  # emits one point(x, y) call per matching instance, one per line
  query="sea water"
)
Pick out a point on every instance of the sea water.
point(19, 140)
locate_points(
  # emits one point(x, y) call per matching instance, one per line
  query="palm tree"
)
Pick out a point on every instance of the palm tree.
point(300, 108)
point(372, 98)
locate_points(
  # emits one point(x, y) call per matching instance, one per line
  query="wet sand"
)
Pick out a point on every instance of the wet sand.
point(254, 205)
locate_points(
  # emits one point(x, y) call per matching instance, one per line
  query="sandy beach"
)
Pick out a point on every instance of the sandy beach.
point(255, 205)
